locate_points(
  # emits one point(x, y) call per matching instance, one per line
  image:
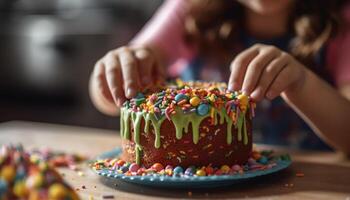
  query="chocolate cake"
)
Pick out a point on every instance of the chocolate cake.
point(187, 124)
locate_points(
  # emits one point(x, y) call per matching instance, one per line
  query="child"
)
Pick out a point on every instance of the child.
point(291, 52)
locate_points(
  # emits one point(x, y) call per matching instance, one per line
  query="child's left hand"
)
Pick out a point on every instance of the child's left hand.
point(265, 71)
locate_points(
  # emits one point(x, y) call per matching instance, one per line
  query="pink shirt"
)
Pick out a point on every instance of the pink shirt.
point(165, 31)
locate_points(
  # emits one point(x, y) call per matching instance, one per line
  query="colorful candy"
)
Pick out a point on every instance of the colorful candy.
point(8, 173)
point(190, 171)
point(134, 167)
point(194, 101)
point(30, 176)
point(157, 167)
point(180, 97)
point(263, 160)
point(225, 169)
point(178, 170)
point(190, 97)
point(120, 163)
point(266, 161)
point(203, 109)
point(57, 191)
point(200, 172)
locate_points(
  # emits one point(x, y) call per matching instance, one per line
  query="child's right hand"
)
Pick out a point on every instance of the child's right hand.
point(122, 72)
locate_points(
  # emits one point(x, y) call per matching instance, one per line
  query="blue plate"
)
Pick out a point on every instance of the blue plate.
point(187, 182)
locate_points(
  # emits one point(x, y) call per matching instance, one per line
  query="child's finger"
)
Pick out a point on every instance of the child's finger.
point(256, 66)
point(100, 80)
point(268, 75)
point(281, 82)
point(145, 65)
point(159, 74)
point(114, 78)
point(129, 71)
point(239, 66)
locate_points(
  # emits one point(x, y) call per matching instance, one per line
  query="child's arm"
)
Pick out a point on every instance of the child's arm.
point(325, 109)
point(124, 71)
point(265, 71)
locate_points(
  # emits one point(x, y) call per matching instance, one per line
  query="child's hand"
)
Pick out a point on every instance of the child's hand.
point(265, 71)
point(122, 72)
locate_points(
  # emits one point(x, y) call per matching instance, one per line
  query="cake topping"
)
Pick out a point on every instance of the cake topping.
point(191, 97)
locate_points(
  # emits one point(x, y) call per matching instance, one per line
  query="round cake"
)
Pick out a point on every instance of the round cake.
point(187, 124)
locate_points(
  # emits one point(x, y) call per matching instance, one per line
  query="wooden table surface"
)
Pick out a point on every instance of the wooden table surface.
point(327, 175)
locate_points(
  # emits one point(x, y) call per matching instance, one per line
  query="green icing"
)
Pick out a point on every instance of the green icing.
point(181, 122)
point(239, 126)
point(125, 117)
point(245, 135)
point(156, 126)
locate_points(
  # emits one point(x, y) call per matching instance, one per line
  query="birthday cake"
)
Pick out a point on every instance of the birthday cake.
point(187, 124)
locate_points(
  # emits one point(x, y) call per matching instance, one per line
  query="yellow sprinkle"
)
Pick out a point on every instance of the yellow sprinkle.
point(243, 100)
point(212, 112)
point(212, 97)
point(80, 173)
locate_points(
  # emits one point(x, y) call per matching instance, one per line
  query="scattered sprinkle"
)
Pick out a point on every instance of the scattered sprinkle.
point(299, 174)
point(108, 197)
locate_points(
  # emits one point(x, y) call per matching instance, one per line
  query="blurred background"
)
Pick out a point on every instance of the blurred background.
point(48, 49)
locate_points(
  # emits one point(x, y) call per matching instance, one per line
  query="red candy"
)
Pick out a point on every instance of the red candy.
point(120, 163)
point(157, 167)
point(209, 170)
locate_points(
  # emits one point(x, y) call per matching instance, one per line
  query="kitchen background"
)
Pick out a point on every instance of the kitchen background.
point(48, 49)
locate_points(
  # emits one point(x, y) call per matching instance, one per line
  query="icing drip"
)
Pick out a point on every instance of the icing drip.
point(156, 123)
point(181, 122)
point(124, 118)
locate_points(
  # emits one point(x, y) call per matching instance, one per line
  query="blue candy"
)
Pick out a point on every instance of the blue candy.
point(20, 173)
point(263, 160)
point(124, 168)
point(190, 171)
point(3, 187)
point(180, 97)
point(178, 170)
point(203, 109)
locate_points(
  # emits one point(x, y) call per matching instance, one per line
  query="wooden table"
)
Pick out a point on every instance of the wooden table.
point(327, 175)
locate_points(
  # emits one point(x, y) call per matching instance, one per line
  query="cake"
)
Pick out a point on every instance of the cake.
point(187, 124)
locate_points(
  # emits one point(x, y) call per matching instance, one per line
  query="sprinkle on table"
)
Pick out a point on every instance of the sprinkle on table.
point(109, 196)
point(299, 174)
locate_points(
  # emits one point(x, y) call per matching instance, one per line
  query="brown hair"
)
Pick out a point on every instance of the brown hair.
point(211, 26)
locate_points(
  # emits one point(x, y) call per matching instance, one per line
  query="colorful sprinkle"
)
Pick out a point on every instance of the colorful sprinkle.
point(157, 169)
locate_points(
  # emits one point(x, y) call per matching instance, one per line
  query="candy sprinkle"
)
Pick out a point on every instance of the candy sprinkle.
point(157, 169)
point(299, 174)
point(190, 97)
